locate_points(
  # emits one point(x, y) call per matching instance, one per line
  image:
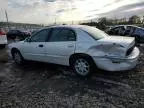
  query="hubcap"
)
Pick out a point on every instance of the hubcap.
point(17, 57)
point(82, 67)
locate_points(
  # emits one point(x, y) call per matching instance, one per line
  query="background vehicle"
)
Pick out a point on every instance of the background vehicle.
point(81, 47)
point(128, 30)
point(27, 33)
point(34, 31)
point(108, 28)
point(13, 34)
point(3, 39)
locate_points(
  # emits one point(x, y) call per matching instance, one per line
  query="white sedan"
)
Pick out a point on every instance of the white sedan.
point(81, 47)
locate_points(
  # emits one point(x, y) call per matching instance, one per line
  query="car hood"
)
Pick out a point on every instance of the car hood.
point(123, 41)
point(16, 44)
point(19, 42)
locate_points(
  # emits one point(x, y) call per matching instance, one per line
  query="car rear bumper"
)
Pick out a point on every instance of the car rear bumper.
point(118, 64)
point(3, 40)
point(3, 43)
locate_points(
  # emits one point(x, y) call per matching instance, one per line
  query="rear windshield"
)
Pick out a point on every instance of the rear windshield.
point(94, 32)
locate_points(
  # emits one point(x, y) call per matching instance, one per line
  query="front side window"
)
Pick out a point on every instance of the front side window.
point(60, 35)
point(116, 30)
point(40, 36)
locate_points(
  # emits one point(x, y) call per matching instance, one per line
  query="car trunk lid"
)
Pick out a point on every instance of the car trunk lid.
point(124, 41)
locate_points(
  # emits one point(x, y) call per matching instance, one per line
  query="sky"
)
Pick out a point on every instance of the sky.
point(47, 11)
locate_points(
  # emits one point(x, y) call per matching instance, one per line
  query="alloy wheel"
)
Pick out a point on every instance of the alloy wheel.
point(82, 67)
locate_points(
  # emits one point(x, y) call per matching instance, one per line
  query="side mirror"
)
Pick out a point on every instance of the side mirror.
point(28, 39)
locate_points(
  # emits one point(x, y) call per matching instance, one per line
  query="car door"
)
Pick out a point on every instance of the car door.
point(139, 35)
point(34, 48)
point(142, 36)
point(129, 30)
point(60, 46)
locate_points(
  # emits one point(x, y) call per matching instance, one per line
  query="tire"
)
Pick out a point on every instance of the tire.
point(83, 66)
point(17, 57)
point(2, 46)
point(137, 39)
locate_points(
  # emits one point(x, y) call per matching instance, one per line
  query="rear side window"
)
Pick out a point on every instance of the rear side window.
point(130, 29)
point(62, 34)
point(118, 30)
point(94, 32)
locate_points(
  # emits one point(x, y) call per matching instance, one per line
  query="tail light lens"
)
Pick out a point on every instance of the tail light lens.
point(2, 33)
point(129, 51)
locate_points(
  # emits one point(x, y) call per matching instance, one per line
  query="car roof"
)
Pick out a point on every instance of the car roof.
point(67, 26)
point(127, 25)
point(14, 30)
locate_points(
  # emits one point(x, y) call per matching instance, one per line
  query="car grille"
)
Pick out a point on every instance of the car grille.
point(129, 51)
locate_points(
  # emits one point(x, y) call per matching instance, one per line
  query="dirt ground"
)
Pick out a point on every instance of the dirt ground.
point(40, 85)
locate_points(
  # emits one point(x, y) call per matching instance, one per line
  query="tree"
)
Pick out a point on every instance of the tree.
point(102, 20)
point(143, 20)
point(134, 19)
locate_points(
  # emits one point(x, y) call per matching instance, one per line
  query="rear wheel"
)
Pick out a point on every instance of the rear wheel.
point(83, 66)
point(137, 40)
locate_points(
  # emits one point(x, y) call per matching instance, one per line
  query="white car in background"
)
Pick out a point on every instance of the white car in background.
point(3, 39)
point(81, 47)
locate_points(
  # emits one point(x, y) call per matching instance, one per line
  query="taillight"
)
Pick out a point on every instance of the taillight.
point(2, 33)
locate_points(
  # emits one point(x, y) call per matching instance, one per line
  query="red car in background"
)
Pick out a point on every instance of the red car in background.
point(3, 38)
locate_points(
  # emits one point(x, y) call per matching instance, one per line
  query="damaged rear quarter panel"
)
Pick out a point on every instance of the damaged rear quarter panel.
point(108, 49)
point(87, 45)
point(102, 50)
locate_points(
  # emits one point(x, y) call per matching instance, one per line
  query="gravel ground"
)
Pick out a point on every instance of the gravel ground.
point(40, 85)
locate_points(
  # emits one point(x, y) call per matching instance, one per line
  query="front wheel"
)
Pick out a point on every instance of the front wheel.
point(83, 66)
point(17, 57)
point(2, 46)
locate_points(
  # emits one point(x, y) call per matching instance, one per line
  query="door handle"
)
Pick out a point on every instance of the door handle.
point(41, 45)
point(70, 46)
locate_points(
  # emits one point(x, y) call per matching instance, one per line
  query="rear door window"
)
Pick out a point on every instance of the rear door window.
point(62, 34)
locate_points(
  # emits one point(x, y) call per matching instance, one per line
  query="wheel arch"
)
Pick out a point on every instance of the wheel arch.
point(73, 56)
point(13, 50)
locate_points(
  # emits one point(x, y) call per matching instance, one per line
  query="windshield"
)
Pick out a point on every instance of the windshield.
point(94, 32)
